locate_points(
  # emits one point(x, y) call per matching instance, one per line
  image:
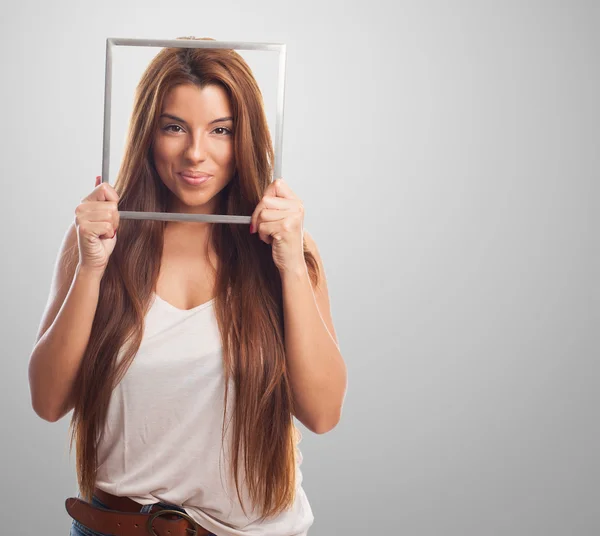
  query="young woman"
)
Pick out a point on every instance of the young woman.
point(231, 330)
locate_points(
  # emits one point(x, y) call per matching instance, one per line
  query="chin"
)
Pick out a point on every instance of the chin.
point(194, 201)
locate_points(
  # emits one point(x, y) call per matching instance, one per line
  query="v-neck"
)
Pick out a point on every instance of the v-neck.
point(192, 310)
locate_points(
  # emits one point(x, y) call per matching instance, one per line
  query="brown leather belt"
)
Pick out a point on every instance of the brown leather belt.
point(123, 518)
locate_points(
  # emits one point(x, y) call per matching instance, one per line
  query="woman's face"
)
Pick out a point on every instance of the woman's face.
point(193, 146)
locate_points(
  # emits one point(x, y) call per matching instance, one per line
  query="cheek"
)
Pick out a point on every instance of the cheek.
point(163, 151)
point(157, 153)
point(227, 156)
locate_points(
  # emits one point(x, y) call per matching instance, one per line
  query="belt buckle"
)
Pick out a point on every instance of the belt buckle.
point(177, 512)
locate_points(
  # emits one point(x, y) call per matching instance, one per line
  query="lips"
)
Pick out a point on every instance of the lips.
point(195, 174)
point(194, 178)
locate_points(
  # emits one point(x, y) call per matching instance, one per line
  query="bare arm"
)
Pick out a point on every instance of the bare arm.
point(316, 367)
point(64, 332)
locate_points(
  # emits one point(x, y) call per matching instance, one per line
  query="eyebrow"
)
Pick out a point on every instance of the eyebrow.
point(175, 118)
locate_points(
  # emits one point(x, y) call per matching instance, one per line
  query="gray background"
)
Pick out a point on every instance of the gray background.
point(447, 155)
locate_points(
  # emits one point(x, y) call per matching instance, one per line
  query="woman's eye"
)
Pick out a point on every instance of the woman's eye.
point(169, 128)
point(227, 131)
point(177, 129)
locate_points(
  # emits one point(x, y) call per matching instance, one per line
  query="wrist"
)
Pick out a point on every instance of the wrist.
point(294, 272)
point(89, 273)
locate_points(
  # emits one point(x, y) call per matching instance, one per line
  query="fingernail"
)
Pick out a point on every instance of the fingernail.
point(251, 228)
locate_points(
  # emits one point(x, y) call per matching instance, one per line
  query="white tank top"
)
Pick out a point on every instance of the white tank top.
point(162, 439)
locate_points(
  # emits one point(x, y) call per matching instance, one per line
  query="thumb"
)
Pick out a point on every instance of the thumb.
point(98, 179)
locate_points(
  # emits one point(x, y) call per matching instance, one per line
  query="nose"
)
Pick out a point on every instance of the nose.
point(196, 150)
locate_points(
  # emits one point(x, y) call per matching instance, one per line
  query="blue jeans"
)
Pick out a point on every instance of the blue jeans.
point(77, 529)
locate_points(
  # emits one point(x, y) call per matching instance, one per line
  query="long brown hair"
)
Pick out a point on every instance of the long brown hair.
point(248, 293)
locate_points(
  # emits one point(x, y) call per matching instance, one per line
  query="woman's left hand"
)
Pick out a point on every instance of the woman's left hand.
point(278, 219)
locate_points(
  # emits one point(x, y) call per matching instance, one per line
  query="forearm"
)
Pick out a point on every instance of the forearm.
point(316, 368)
point(56, 357)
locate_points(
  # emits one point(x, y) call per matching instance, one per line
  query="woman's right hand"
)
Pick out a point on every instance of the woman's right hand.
point(97, 220)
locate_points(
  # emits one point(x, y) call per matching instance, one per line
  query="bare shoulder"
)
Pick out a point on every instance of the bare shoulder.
point(64, 271)
point(321, 291)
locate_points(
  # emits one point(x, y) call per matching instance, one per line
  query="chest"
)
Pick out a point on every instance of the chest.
point(187, 277)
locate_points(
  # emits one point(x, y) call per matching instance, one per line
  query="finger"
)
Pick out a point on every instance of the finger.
point(271, 189)
point(271, 202)
point(100, 206)
point(271, 231)
point(101, 214)
point(110, 231)
point(255, 215)
point(102, 192)
point(270, 214)
point(280, 203)
point(254, 219)
point(282, 189)
point(98, 212)
point(98, 179)
point(266, 229)
point(100, 229)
